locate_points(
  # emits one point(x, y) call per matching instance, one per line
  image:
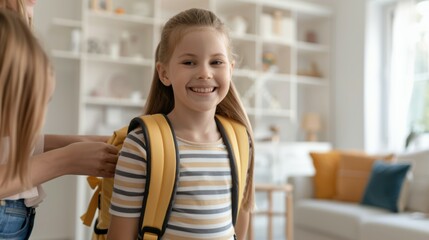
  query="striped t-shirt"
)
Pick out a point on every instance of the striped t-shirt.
point(202, 205)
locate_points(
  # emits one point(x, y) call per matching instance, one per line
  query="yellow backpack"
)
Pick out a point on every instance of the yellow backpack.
point(158, 200)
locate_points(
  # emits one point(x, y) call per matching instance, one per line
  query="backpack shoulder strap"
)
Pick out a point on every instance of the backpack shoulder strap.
point(162, 173)
point(236, 139)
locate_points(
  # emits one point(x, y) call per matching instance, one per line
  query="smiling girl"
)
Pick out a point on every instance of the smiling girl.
point(192, 82)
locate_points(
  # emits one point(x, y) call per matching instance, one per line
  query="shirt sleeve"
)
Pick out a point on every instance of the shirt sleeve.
point(130, 177)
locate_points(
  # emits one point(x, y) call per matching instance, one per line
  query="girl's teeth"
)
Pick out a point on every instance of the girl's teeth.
point(203, 90)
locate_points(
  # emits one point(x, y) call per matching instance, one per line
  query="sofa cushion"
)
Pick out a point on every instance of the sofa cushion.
point(418, 198)
point(325, 177)
point(353, 174)
point(384, 186)
point(396, 227)
point(334, 218)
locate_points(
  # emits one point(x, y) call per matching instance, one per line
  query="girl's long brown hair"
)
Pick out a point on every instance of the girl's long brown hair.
point(161, 97)
point(17, 6)
point(23, 93)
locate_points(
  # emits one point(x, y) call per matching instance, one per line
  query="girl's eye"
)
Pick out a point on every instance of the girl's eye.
point(217, 62)
point(190, 63)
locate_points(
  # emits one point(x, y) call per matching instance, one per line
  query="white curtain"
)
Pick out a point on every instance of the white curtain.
point(401, 76)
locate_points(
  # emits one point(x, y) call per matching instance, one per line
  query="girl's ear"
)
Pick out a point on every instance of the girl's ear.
point(162, 74)
point(231, 68)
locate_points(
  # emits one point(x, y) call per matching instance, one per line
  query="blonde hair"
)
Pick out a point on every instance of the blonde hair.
point(161, 98)
point(19, 7)
point(24, 93)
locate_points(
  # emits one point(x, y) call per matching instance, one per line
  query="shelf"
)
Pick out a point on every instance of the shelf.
point(274, 97)
point(122, 17)
point(63, 22)
point(277, 40)
point(312, 81)
point(312, 47)
point(114, 102)
point(171, 7)
point(245, 73)
point(119, 60)
point(300, 6)
point(66, 55)
point(262, 76)
point(102, 58)
point(277, 77)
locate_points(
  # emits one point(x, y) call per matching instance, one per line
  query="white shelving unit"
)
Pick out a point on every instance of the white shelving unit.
point(296, 83)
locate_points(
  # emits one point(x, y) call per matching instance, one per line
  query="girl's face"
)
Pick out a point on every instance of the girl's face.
point(199, 70)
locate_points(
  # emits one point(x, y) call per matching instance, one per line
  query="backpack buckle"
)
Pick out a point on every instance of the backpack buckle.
point(150, 230)
point(97, 230)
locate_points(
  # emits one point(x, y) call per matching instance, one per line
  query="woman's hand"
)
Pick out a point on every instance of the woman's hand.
point(90, 158)
point(81, 158)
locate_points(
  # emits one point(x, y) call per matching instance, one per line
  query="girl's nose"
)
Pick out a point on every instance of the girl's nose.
point(205, 72)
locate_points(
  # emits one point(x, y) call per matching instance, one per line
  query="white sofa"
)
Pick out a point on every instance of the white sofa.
point(333, 220)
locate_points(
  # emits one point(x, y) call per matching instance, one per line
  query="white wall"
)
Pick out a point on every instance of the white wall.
point(348, 89)
point(374, 76)
point(357, 90)
point(56, 215)
point(62, 112)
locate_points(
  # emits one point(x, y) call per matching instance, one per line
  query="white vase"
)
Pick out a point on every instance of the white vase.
point(266, 26)
point(288, 29)
point(75, 41)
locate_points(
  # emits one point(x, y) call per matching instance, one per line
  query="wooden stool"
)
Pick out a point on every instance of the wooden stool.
point(288, 214)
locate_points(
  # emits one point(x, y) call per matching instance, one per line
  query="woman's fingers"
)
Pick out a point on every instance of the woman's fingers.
point(111, 149)
point(93, 158)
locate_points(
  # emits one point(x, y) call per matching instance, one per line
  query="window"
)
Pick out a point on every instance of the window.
point(406, 84)
point(419, 105)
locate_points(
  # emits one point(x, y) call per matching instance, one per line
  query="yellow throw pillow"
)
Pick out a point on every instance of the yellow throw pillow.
point(354, 170)
point(325, 177)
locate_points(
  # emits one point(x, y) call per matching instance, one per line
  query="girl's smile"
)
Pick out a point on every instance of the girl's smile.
point(203, 90)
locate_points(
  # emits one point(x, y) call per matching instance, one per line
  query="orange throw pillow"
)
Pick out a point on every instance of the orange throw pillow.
point(354, 170)
point(325, 177)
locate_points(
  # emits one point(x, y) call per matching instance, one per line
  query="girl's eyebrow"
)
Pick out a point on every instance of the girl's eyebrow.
point(187, 55)
point(194, 55)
